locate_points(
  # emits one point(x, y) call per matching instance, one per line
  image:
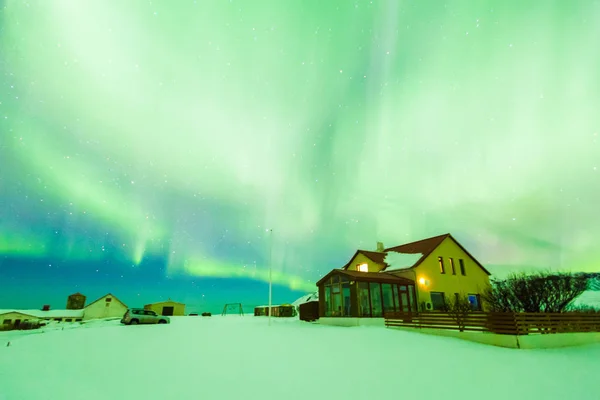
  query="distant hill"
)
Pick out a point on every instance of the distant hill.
point(590, 298)
point(594, 280)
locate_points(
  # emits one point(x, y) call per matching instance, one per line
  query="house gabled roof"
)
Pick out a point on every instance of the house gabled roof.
point(383, 277)
point(163, 302)
point(374, 256)
point(427, 246)
point(106, 295)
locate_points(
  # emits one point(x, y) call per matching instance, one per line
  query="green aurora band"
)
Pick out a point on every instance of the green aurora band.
point(334, 123)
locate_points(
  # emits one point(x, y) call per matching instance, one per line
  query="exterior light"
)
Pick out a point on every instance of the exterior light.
point(422, 281)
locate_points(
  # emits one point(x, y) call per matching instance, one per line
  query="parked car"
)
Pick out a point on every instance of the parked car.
point(135, 316)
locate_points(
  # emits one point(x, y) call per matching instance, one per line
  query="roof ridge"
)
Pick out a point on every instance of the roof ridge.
point(445, 235)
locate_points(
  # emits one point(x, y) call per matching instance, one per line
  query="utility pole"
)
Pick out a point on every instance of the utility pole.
point(270, 273)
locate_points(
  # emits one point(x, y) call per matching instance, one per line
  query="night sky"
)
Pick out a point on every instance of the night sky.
point(147, 146)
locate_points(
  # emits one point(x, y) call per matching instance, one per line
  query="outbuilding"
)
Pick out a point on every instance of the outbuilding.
point(283, 310)
point(167, 308)
point(16, 317)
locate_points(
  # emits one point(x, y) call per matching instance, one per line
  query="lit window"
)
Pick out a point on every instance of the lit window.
point(452, 266)
point(441, 262)
point(363, 267)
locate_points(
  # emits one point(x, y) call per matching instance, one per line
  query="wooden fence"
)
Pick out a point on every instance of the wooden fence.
point(500, 323)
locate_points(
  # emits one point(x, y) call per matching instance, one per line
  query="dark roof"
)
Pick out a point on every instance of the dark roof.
point(382, 277)
point(374, 256)
point(427, 246)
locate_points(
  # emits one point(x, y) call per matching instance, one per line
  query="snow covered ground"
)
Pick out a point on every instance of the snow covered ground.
point(237, 357)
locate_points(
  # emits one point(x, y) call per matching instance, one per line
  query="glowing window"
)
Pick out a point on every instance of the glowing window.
point(363, 267)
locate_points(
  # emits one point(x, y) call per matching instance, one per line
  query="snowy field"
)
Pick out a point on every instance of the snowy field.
point(242, 358)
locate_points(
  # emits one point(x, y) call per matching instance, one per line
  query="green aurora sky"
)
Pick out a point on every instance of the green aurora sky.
point(181, 131)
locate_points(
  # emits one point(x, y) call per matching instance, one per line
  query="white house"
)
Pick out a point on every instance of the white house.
point(107, 306)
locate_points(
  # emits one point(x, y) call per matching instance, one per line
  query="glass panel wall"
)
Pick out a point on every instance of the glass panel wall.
point(412, 298)
point(364, 307)
point(346, 299)
point(404, 301)
point(328, 305)
point(376, 306)
point(336, 300)
point(388, 297)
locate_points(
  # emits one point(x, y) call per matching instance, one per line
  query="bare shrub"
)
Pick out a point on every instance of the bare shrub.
point(540, 292)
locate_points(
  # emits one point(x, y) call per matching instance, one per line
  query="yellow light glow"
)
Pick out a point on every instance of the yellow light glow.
point(422, 281)
point(363, 267)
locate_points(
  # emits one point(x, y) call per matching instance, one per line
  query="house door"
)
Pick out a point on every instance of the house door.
point(167, 310)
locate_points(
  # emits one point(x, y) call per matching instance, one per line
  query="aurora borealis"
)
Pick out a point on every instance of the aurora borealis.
point(146, 146)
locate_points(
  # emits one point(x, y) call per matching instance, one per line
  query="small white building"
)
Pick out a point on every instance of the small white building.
point(15, 317)
point(107, 306)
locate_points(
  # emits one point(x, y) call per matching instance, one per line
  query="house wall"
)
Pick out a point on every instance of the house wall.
point(178, 308)
point(475, 281)
point(362, 259)
point(104, 309)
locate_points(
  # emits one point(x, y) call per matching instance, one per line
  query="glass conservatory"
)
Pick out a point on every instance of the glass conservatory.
point(345, 293)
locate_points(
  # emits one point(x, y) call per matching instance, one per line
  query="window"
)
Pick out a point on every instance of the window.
point(78, 320)
point(475, 302)
point(441, 262)
point(452, 266)
point(362, 267)
point(68, 320)
point(337, 296)
point(462, 267)
point(108, 299)
point(6, 322)
point(438, 301)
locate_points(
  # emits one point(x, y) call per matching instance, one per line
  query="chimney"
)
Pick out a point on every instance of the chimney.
point(380, 247)
point(46, 307)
